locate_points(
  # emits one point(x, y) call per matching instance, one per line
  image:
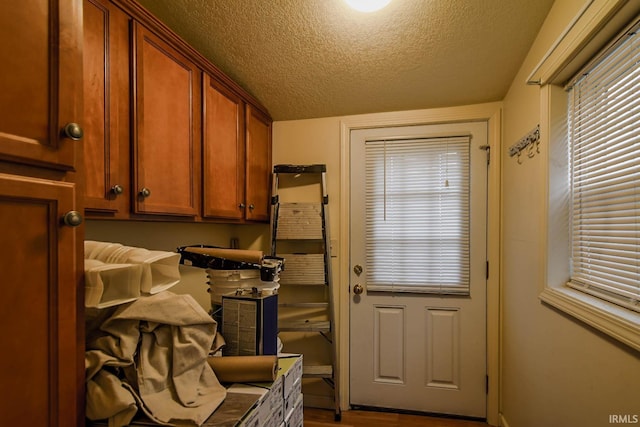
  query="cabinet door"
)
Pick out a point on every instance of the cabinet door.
point(258, 172)
point(223, 152)
point(41, 358)
point(167, 128)
point(41, 77)
point(107, 103)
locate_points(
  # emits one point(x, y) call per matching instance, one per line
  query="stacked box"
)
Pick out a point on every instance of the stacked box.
point(258, 416)
point(278, 399)
point(292, 398)
point(277, 404)
point(291, 368)
point(292, 383)
point(273, 405)
point(296, 416)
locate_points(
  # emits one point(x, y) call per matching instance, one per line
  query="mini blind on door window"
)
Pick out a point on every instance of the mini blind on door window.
point(604, 151)
point(417, 215)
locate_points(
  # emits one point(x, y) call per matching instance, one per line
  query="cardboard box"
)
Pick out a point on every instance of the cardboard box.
point(271, 408)
point(296, 418)
point(291, 400)
point(291, 368)
point(259, 414)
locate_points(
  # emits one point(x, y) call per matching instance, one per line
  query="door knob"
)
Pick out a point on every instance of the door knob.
point(72, 219)
point(73, 131)
point(358, 289)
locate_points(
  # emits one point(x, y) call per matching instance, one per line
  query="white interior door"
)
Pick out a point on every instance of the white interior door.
point(418, 257)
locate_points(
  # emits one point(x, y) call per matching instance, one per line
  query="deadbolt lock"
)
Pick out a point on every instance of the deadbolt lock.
point(357, 269)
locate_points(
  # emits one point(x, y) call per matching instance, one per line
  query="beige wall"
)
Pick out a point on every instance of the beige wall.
point(308, 142)
point(555, 371)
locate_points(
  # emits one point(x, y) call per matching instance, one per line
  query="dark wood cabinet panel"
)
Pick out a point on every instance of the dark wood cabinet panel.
point(107, 101)
point(258, 158)
point(40, 47)
point(236, 157)
point(39, 305)
point(167, 135)
point(174, 139)
point(40, 259)
point(166, 127)
point(223, 152)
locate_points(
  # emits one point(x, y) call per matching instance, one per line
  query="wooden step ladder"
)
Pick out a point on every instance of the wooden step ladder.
point(300, 235)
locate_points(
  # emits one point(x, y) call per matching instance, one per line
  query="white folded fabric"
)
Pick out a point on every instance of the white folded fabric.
point(107, 285)
point(160, 269)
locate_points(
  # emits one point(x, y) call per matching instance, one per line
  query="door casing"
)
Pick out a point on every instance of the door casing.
point(490, 112)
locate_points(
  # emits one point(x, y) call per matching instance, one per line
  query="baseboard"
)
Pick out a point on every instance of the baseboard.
point(503, 421)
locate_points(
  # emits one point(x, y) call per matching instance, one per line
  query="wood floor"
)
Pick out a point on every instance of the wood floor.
point(322, 417)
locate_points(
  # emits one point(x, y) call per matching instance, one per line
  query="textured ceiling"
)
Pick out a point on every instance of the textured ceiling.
point(318, 58)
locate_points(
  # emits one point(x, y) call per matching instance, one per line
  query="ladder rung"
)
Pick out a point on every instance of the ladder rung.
point(318, 168)
point(305, 326)
point(317, 371)
point(304, 304)
point(299, 221)
point(303, 269)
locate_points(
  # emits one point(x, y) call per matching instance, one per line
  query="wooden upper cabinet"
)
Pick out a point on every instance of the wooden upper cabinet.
point(107, 101)
point(41, 75)
point(223, 152)
point(167, 133)
point(258, 165)
point(175, 141)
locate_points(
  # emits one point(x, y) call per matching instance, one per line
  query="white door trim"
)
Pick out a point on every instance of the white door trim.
point(492, 113)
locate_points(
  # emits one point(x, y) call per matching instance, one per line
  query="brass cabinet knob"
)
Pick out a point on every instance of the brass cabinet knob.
point(145, 192)
point(358, 289)
point(73, 131)
point(72, 219)
point(117, 189)
point(251, 207)
point(241, 205)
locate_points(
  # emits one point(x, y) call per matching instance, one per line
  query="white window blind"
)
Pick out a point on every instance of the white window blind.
point(417, 215)
point(604, 151)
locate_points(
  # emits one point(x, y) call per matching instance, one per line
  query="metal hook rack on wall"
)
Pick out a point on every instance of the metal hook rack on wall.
point(527, 142)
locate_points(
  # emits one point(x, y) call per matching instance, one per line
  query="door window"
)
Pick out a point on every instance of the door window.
point(417, 215)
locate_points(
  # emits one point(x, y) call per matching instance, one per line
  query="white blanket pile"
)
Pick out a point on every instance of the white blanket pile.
point(151, 354)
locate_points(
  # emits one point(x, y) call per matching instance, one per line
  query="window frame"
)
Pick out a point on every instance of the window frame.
point(600, 264)
point(614, 320)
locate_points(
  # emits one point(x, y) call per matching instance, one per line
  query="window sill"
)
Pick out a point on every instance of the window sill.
point(613, 320)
